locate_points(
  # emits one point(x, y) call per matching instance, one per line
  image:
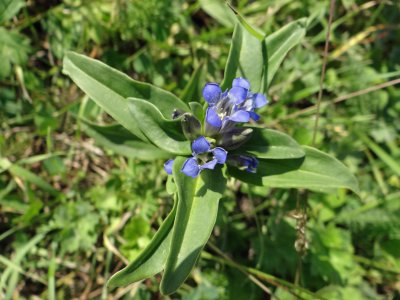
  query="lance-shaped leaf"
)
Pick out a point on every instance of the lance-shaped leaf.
point(152, 260)
point(165, 134)
point(317, 171)
point(281, 42)
point(121, 141)
point(258, 59)
point(272, 144)
point(109, 88)
point(197, 209)
point(247, 58)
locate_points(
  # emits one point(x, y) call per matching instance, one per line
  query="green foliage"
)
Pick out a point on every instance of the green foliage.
point(78, 200)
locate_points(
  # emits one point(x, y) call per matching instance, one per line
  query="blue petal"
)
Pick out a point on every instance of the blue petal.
point(209, 165)
point(259, 100)
point(200, 145)
point(212, 92)
point(190, 167)
point(212, 118)
point(240, 116)
point(241, 82)
point(238, 94)
point(220, 154)
point(168, 166)
point(254, 116)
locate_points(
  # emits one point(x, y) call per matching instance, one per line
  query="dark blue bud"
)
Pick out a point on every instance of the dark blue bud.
point(244, 162)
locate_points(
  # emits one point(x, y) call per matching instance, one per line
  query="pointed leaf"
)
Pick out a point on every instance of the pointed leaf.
point(121, 141)
point(195, 218)
point(281, 42)
point(109, 88)
point(317, 171)
point(247, 58)
point(152, 260)
point(166, 134)
point(271, 144)
point(258, 60)
point(219, 11)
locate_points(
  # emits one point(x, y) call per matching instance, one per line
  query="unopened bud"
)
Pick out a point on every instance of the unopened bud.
point(191, 127)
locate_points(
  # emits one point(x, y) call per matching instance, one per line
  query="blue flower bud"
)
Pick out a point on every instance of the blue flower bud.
point(244, 162)
point(212, 92)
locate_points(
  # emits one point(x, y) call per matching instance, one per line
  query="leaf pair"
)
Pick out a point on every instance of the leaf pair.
point(258, 59)
point(110, 89)
point(178, 243)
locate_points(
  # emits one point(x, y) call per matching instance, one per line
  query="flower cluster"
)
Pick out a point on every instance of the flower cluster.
point(203, 157)
point(225, 110)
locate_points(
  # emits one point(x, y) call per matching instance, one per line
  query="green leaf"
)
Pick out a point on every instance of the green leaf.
point(219, 11)
point(247, 58)
point(109, 88)
point(271, 144)
point(197, 209)
point(9, 8)
point(257, 33)
point(121, 141)
point(317, 171)
point(166, 134)
point(258, 60)
point(281, 42)
point(152, 260)
point(192, 91)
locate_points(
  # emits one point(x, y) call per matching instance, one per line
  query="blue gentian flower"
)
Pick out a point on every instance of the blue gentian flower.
point(235, 105)
point(203, 157)
point(225, 110)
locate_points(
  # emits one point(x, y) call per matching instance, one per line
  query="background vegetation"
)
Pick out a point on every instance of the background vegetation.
point(73, 212)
